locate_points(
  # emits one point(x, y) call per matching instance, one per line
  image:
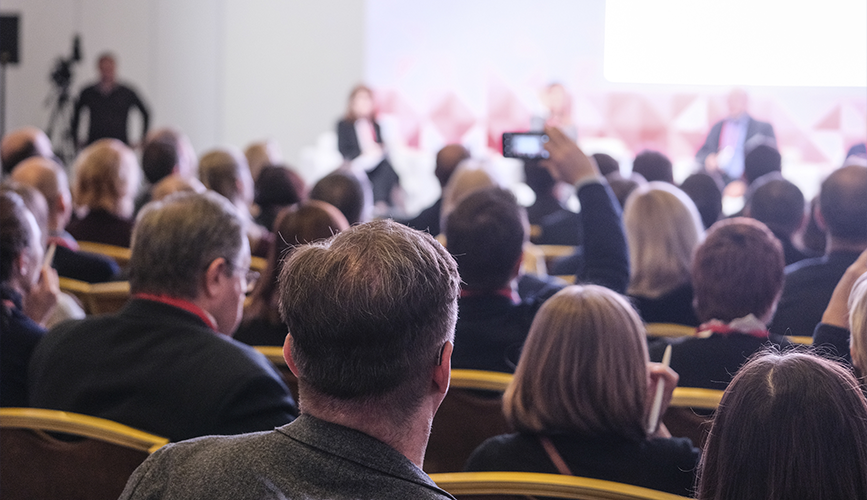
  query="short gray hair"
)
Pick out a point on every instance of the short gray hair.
point(175, 240)
point(368, 311)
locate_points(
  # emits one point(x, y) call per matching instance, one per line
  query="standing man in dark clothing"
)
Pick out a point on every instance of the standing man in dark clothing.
point(109, 103)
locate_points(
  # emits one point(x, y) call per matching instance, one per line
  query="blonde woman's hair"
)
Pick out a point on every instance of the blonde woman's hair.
point(107, 176)
point(858, 325)
point(663, 228)
point(583, 369)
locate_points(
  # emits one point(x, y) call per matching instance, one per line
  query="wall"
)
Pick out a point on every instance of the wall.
point(224, 71)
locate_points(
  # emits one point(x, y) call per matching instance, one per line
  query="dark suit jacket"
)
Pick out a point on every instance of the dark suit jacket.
point(160, 369)
point(429, 219)
point(711, 144)
point(347, 140)
point(309, 458)
point(100, 226)
point(84, 266)
point(807, 291)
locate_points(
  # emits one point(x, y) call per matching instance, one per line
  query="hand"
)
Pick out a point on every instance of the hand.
point(711, 164)
point(42, 297)
point(567, 162)
point(837, 312)
point(669, 378)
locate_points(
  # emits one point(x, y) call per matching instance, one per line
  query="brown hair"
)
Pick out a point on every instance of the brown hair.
point(350, 114)
point(790, 426)
point(737, 271)
point(583, 369)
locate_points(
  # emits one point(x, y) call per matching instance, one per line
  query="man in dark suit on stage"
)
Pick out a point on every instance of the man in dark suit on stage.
point(165, 363)
point(730, 139)
point(371, 315)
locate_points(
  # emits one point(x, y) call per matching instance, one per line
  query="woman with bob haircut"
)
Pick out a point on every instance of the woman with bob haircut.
point(763, 445)
point(106, 177)
point(581, 397)
point(663, 228)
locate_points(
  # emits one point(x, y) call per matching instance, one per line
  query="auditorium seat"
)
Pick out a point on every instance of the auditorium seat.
point(97, 298)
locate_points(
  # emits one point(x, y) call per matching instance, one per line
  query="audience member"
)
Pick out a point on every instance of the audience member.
point(371, 314)
point(722, 154)
point(160, 364)
point(760, 161)
point(737, 276)
point(447, 161)
point(663, 229)
point(653, 166)
point(606, 163)
point(344, 191)
point(789, 427)
point(225, 171)
point(262, 154)
point(706, 192)
point(50, 180)
point(581, 398)
point(814, 238)
point(469, 176)
point(106, 179)
point(780, 205)
point(299, 224)
point(359, 140)
point(28, 291)
point(842, 211)
point(622, 187)
point(21, 144)
point(557, 225)
point(274, 190)
point(847, 313)
point(486, 233)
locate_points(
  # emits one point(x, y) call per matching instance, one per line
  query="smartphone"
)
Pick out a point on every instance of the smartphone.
point(525, 145)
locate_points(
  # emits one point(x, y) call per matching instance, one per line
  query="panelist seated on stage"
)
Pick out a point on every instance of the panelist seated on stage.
point(371, 316)
point(165, 363)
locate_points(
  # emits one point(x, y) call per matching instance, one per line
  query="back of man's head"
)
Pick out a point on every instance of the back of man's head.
point(539, 179)
point(654, 166)
point(776, 202)
point(344, 191)
point(175, 239)
point(49, 178)
point(225, 171)
point(486, 234)
point(843, 203)
point(159, 159)
point(368, 312)
point(761, 160)
point(21, 144)
point(447, 161)
point(738, 270)
point(706, 192)
point(607, 164)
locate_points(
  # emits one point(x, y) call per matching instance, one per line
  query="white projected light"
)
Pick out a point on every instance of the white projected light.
point(737, 42)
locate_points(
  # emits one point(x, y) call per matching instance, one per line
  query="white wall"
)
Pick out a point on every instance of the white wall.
point(226, 72)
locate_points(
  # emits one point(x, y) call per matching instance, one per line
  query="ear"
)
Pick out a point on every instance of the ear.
point(214, 276)
point(443, 371)
point(287, 355)
point(20, 263)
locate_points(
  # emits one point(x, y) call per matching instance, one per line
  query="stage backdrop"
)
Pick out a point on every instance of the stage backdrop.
point(640, 74)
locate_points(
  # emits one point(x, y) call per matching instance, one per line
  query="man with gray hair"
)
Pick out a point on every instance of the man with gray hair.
point(371, 315)
point(165, 363)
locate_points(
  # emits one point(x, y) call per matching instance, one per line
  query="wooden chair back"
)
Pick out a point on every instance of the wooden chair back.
point(471, 412)
point(118, 254)
point(690, 413)
point(97, 298)
point(669, 330)
point(93, 459)
point(503, 485)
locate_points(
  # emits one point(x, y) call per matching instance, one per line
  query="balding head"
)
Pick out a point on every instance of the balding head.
point(447, 161)
point(49, 178)
point(843, 204)
point(21, 144)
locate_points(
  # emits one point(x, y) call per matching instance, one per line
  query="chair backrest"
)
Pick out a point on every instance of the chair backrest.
point(466, 485)
point(95, 465)
point(98, 298)
point(553, 252)
point(258, 263)
point(471, 412)
point(690, 413)
point(669, 330)
point(275, 356)
point(118, 254)
point(798, 339)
